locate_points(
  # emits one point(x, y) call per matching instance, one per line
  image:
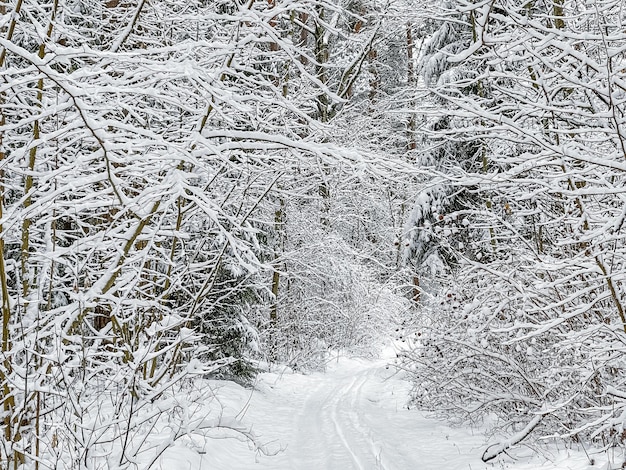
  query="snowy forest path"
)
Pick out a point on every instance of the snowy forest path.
point(330, 431)
point(352, 417)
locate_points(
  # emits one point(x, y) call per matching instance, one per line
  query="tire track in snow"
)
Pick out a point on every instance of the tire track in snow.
point(339, 393)
point(337, 431)
point(349, 406)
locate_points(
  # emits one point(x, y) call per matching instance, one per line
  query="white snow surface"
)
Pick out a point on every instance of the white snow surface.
point(354, 416)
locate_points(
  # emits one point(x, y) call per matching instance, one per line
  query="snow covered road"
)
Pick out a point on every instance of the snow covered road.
point(354, 417)
point(331, 431)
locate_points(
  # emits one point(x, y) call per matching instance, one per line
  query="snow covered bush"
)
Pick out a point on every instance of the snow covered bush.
point(139, 142)
point(528, 320)
point(329, 291)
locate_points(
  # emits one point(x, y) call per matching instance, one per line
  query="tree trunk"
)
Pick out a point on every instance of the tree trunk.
point(411, 81)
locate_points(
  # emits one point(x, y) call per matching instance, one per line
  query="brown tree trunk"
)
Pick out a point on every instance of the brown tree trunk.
point(411, 80)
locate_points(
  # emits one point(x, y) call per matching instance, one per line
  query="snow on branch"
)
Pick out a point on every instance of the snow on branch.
point(496, 449)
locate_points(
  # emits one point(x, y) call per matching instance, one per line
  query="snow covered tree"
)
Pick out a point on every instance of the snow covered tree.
point(326, 214)
point(141, 145)
point(532, 329)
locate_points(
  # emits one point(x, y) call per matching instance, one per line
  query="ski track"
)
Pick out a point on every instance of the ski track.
point(354, 417)
point(339, 422)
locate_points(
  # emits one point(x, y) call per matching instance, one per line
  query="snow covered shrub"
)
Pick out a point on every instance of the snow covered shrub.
point(505, 341)
point(330, 289)
point(532, 330)
point(319, 307)
point(138, 141)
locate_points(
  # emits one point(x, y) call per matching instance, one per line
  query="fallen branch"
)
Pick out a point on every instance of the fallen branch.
point(496, 449)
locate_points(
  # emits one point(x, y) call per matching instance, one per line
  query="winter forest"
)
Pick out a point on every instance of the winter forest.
point(206, 190)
